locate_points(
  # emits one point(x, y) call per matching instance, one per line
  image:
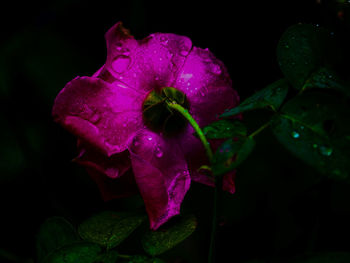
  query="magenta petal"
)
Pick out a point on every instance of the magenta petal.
point(104, 116)
point(207, 85)
point(161, 174)
point(147, 64)
point(113, 166)
point(123, 186)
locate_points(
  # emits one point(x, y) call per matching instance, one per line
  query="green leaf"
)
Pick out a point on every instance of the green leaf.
point(165, 238)
point(223, 129)
point(54, 233)
point(232, 153)
point(109, 228)
point(82, 252)
point(144, 259)
point(325, 78)
point(272, 96)
point(331, 257)
point(302, 49)
point(109, 257)
point(315, 127)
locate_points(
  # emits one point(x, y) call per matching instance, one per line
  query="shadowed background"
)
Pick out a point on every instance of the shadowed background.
point(278, 211)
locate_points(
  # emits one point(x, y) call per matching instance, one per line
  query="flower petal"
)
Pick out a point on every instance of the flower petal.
point(207, 85)
point(161, 174)
point(123, 186)
point(102, 115)
point(147, 64)
point(113, 166)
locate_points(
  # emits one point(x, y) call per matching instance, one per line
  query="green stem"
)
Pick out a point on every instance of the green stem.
point(198, 130)
point(218, 179)
point(259, 130)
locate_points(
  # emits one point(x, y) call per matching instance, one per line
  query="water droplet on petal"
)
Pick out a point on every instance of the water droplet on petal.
point(184, 52)
point(159, 152)
point(325, 150)
point(150, 138)
point(295, 134)
point(121, 63)
point(95, 117)
point(215, 68)
point(164, 40)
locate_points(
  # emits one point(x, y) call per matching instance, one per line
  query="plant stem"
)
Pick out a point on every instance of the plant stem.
point(198, 130)
point(259, 130)
point(217, 179)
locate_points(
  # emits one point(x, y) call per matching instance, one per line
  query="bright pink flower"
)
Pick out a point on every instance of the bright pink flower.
point(105, 112)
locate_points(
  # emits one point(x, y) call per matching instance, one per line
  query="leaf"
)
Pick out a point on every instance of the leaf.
point(223, 129)
point(54, 233)
point(315, 127)
point(144, 259)
point(272, 96)
point(109, 257)
point(325, 78)
point(232, 153)
point(82, 252)
point(165, 238)
point(302, 49)
point(109, 228)
point(333, 257)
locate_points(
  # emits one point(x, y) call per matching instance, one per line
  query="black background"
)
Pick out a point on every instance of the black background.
point(281, 210)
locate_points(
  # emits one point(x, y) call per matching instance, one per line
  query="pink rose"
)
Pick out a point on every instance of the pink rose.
point(122, 148)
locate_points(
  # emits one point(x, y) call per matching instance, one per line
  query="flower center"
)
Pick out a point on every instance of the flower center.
point(158, 116)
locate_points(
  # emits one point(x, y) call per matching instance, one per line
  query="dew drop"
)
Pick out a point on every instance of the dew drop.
point(95, 117)
point(215, 69)
point(184, 52)
point(314, 145)
point(164, 40)
point(150, 138)
point(295, 135)
point(121, 63)
point(325, 150)
point(159, 152)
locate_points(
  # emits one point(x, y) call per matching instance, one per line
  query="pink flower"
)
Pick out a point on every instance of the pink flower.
point(122, 153)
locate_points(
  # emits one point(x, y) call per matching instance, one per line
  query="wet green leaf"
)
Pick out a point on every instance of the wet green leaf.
point(165, 238)
point(325, 78)
point(109, 257)
point(109, 228)
point(223, 129)
point(272, 96)
point(315, 127)
point(303, 49)
point(53, 234)
point(82, 252)
point(231, 154)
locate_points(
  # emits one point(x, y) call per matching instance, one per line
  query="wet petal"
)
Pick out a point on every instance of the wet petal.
point(123, 186)
point(147, 64)
point(104, 116)
point(161, 174)
point(207, 85)
point(113, 166)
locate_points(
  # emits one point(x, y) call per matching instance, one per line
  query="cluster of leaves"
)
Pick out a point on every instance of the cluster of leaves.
point(310, 107)
point(97, 238)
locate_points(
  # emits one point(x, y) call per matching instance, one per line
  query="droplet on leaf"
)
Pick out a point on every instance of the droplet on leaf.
point(295, 135)
point(325, 150)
